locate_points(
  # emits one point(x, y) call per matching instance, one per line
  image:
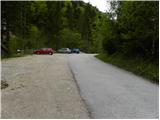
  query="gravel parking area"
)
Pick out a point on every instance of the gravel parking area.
point(40, 86)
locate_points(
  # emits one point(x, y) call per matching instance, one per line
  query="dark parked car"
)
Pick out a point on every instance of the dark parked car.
point(75, 50)
point(49, 51)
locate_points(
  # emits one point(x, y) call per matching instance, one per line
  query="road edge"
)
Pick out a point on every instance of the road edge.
point(79, 91)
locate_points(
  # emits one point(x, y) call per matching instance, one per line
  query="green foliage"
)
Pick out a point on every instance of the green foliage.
point(135, 31)
point(34, 40)
point(69, 38)
point(52, 24)
point(13, 44)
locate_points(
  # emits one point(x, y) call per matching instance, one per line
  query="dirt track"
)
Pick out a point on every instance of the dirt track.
point(40, 87)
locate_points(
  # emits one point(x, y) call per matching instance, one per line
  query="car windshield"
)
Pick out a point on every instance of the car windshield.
point(75, 49)
point(64, 49)
point(43, 48)
point(46, 49)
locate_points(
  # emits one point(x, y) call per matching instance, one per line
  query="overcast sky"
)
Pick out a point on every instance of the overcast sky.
point(102, 5)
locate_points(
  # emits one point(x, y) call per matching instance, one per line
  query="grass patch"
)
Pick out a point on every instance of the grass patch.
point(13, 56)
point(144, 68)
point(21, 53)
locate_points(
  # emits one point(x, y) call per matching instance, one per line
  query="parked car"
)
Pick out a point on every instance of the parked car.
point(64, 50)
point(75, 50)
point(49, 51)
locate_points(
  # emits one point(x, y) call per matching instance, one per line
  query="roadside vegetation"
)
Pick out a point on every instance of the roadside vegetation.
point(13, 56)
point(20, 53)
point(144, 68)
point(132, 40)
point(127, 34)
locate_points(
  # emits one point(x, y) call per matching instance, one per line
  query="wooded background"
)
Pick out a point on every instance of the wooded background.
point(130, 28)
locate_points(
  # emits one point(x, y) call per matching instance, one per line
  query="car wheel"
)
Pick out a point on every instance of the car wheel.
point(50, 53)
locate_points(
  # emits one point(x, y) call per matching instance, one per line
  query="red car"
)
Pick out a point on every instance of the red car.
point(49, 51)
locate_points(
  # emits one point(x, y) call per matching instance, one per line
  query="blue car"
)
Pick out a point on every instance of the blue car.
point(75, 50)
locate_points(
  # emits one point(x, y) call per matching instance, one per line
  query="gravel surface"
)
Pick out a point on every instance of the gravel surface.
point(40, 86)
point(111, 92)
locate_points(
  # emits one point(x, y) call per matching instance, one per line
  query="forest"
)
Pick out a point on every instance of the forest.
point(130, 30)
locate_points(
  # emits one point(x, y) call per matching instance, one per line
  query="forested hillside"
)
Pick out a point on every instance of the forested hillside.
point(130, 28)
point(51, 24)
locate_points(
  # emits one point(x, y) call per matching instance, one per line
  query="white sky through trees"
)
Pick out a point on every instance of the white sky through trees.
point(102, 5)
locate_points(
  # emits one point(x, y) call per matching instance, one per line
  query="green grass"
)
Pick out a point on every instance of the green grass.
point(141, 67)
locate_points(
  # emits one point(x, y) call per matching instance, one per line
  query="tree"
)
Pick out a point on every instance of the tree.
point(69, 38)
point(134, 32)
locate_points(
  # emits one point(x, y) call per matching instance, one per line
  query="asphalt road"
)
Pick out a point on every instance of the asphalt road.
point(111, 92)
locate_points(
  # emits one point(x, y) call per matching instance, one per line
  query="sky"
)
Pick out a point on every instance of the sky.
point(102, 5)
